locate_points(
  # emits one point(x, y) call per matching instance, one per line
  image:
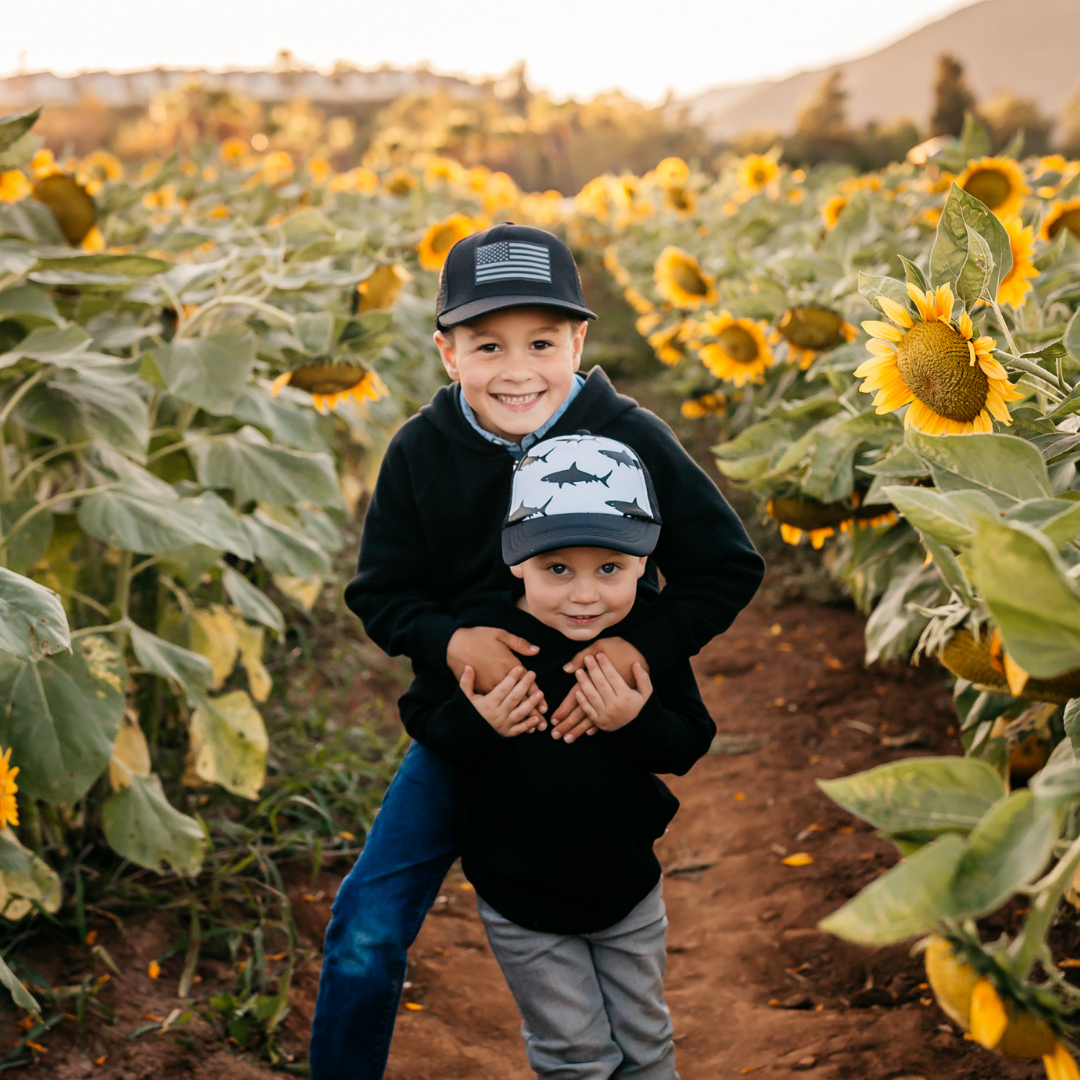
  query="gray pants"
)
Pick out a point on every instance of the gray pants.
point(592, 1005)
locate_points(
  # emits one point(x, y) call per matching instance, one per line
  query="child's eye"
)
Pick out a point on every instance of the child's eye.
point(541, 346)
point(558, 568)
point(609, 568)
point(488, 347)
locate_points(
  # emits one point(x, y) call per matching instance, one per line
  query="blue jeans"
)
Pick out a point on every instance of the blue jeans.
point(376, 917)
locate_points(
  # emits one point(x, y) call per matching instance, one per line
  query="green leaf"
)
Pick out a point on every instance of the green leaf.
point(14, 858)
point(259, 471)
point(210, 372)
point(1035, 604)
point(948, 566)
point(1071, 341)
point(28, 300)
point(143, 827)
point(30, 543)
point(952, 249)
point(19, 994)
point(315, 331)
point(14, 126)
point(901, 461)
point(971, 284)
point(50, 345)
point(892, 628)
point(23, 891)
point(60, 717)
point(228, 745)
point(1057, 784)
point(943, 515)
point(1007, 850)
point(132, 517)
point(1072, 722)
point(1059, 519)
point(872, 287)
point(974, 139)
point(101, 262)
point(162, 657)
point(283, 550)
point(252, 603)
point(32, 619)
point(920, 798)
point(908, 900)
point(914, 275)
point(288, 424)
point(1008, 469)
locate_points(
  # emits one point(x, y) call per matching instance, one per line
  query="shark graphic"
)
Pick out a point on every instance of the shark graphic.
point(621, 457)
point(574, 475)
point(523, 512)
point(528, 459)
point(630, 509)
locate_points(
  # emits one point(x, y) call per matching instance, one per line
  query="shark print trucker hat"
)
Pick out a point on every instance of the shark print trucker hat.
point(580, 491)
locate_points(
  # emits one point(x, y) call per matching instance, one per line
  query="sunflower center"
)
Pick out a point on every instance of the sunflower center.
point(759, 176)
point(1069, 220)
point(688, 279)
point(811, 327)
point(935, 363)
point(989, 186)
point(738, 343)
point(326, 378)
point(443, 240)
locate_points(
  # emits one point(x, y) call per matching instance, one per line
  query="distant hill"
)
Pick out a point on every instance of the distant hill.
point(1029, 47)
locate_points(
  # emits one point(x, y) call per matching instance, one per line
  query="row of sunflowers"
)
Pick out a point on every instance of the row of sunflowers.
point(200, 358)
point(895, 358)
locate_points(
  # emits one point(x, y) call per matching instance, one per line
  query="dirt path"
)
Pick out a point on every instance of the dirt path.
point(752, 985)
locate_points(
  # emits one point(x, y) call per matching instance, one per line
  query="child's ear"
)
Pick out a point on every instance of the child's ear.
point(642, 562)
point(518, 571)
point(445, 345)
point(577, 343)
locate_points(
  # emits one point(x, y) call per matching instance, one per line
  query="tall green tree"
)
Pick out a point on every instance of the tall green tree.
point(952, 97)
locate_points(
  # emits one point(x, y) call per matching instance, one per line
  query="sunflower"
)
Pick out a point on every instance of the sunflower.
point(799, 517)
point(9, 809)
point(329, 383)
point(704, 405)
point(680, 200)
point(232, 150)
point(443, 170)
point(399, 182)
point(997, 182)
point(93, 240)
point(810, 329)
point(952, 383)
point(641, 304)
point(756, 171)
point(681, 281)
point(740, 352)
point(833, 208)
point(616, 268)
point(43, 164)
point(647, 323)
point(102, 165)
point(500, 193)
point(1061, 215)
point(542, 207)
point(277, 167)
point(361, 179)
point(440, 238)
point(672, 172)
point(70, 203)
point(379, 291)
point(14, 186)
point(320, 170)
point(664, 342)
point(1015, 285)
point(592, 199)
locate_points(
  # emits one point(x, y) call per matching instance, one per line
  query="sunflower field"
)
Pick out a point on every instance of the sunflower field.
point(201, 357)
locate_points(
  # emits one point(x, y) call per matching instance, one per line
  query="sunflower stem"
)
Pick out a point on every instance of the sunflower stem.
point(1019, 363)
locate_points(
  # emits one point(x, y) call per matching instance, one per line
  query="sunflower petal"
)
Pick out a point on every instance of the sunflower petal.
point(944, 302)
point(883, 330)
point(279, 382)
point(963, 324)
point(899, 315)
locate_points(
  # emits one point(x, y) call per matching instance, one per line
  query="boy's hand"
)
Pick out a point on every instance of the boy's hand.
point(570, 720)
point(510, 708)
point(490, 653)
point(605, 696)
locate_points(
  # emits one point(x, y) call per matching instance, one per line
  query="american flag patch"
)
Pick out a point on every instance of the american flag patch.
point(512, 259)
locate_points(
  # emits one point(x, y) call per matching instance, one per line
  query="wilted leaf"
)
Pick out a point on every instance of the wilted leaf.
point(300, 590)
point(39, 884)
point(32, 619)
point(214, 636)
point(228, 745)
point(130, 754)
point(250, 639)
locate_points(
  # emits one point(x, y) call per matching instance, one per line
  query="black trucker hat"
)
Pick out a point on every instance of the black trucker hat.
point(507, 266)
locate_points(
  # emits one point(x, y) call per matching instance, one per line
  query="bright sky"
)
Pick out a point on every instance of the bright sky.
point(572, 47)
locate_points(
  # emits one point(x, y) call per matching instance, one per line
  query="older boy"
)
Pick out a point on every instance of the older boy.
point(510, 332)
point(576, 922)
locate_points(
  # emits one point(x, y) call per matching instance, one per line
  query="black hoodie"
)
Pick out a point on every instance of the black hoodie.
point(431, 543)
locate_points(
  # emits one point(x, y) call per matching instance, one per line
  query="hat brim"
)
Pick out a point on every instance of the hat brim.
point(613, 531)
point(488, 304)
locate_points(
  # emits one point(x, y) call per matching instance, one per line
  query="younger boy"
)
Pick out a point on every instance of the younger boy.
point(510, 324)
point(576, 921)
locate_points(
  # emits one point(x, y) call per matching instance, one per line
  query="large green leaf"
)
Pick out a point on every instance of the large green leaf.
point(908, 900)
point(314, 330)
point(252, 603)
point(28, 300)
point(951, 253)
point(1008, 849)
point(873, 287)
point(287, 424)
point(228, 745)
point(1008, 469)
point(15, 125)
point(209, 372)
point(19, 994)
point(920, 798)
point(102, 262)
point(134, 518)
point(893, 628)
point(142, 826)
point(945, 516)
point(258, 471)
point(60, 716)
point(1035, 604)
point(283, 550)
point(50, 345)
point(32, 619)
point(31, 541)
point(162, 657)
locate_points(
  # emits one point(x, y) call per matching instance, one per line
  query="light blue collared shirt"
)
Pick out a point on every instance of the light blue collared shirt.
point(516, 451)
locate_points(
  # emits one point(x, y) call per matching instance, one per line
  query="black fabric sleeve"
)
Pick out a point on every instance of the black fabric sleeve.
point(393, 590)
point(711, 569)
point(449, 727)
point(670, 733)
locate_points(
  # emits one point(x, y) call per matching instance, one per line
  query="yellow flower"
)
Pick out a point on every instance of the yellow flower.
point(443, 169)
point(366, 181)
point(1015, 285)
point(997, 182)
point(477, 177)
point(952, 383)
point(93, 240)
point(14, 186)
point(869, 182)
point(164, 198)
point(647, 323)
point(380, 291)
point(440, 238)
point(641, 304)
point(831, 211)
point(988, 1017)
point(703, 405)
point(500, 192)
point(9, 809)
point(43, 164)
point(756, 171)
point(592, 199)
point(102, 165)
point(330, 383)
point(810, 329)
point(672, 172)
point(209, 174)
point(680, 200)
point(320, 170)
point(277, 166)
point(663, 342)
point(616, 268)
point(1050, 163)
point(232, 150)
point(1060, 1065)
point(218, 212)
point(542, 207)
point(740, 353)
point(1061, 215)
point(399, 182)
point(682, 282)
